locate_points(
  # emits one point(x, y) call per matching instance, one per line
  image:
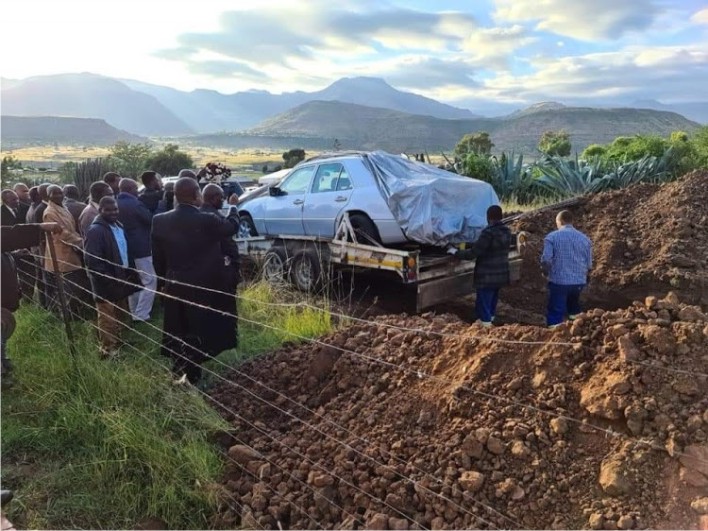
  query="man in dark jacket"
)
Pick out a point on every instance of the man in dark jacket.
point(491, 271)
point(72, 202)
point(213, 201)
point(186, 247)
point(107, 261)
point(10, 209)
point(137, 220)
point(152, 194)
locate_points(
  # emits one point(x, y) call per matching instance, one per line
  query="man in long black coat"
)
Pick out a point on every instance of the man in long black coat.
point(186, 246)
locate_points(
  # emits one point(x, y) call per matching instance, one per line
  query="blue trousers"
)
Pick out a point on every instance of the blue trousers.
point(486, 303)
point(563, 301)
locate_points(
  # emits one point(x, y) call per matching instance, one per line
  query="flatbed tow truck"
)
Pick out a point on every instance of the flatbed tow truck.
point(309, 261)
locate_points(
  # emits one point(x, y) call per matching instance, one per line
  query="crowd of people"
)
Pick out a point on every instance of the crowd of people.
point(125, 246)
point(117, 251)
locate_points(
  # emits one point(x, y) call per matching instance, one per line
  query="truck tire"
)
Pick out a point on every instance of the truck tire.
point(246, 227)
point(362, 225)
point(275, 266)
point(306, 271)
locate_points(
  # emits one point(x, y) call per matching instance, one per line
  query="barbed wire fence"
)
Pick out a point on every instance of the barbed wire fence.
point(472, 506)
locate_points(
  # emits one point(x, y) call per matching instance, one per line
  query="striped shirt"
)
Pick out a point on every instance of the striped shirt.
point(567, 256)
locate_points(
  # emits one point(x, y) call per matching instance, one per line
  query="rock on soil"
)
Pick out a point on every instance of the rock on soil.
point(602, 424)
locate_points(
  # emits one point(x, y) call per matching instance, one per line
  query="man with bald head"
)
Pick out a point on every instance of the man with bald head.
point(10, 209)
point(186, 244)
point(97, 190)
point(72, 202)
point(137, 221)
point(112, 179)
point(22, 191)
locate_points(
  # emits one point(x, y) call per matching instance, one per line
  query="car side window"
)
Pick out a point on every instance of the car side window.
point(326, 177)
point(298, 181)
point(344, 182)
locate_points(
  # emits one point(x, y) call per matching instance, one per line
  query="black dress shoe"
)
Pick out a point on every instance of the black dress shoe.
point(5, 497)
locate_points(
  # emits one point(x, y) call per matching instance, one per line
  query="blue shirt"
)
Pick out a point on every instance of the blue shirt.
point(567, 256)
point(119, 235)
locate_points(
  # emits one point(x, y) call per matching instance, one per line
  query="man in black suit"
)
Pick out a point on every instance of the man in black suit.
point(22, 191)
point(186, 247)
point(10, 209)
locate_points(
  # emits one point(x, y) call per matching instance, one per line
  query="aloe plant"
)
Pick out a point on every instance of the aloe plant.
point(562, 178)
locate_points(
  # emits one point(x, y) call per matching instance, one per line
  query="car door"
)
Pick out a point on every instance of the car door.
point(329, 194)
point(283, 213)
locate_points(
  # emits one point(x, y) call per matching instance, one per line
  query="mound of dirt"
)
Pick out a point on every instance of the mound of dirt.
point(602, 423)
point(647, 240)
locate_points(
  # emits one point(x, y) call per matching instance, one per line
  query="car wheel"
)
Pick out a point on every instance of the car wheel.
point(306, 271)
point(246, 227)
point(274, 266)
point(366, 232)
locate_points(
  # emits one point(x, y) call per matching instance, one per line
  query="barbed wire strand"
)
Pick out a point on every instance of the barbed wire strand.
point(321, 467)
point(295, 417)
point(334, 313)
point(232, 498)
point(421, 374)
point(223, 406)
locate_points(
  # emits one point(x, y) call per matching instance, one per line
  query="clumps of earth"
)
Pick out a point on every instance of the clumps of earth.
point(601, 423)
point(648, 239)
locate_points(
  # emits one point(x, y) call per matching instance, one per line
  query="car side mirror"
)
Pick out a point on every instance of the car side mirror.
point(274, 191)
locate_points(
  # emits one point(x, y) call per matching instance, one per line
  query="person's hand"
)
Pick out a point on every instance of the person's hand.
point(452, 250)
point(233, 199)
point(50, 226)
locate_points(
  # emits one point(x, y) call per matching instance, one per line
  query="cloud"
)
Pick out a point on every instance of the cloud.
point(627, 74)
point(599, 19)
point(494, 47)
point(700, 17)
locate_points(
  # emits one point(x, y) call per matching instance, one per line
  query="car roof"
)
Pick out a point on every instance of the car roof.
point(337, 154)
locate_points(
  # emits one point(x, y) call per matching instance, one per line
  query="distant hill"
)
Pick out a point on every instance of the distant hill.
point(696, 110)
point(91, 96)
point(21, 131)
point(362, 127)
point(210, 111)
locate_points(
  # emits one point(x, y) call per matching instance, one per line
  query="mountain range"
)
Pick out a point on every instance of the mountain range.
point(360, 112)
point(363, 127)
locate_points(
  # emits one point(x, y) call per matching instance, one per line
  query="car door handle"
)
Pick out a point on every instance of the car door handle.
point(298, 202)
point(340, 198)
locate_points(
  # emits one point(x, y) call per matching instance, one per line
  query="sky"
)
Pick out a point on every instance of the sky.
point(469, 53)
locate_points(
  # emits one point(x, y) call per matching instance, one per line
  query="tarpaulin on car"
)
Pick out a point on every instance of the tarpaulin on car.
point(432, 206)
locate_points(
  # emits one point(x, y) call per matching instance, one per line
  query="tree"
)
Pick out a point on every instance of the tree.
point(169, 160)
point(293, 156)
point(699, 140)
point(555, 143)
point(9, 163)
point(478, 143)
point(130, 160)
point(631, 148)
point(478, 166)
point(594, 150)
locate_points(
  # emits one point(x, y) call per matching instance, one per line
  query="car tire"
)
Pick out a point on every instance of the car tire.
point(275, 266)
point(306, 271)
point(365, 229)
point(246, 227)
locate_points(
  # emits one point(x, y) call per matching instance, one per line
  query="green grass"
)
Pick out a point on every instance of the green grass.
point(89, 443)
point(278, 324)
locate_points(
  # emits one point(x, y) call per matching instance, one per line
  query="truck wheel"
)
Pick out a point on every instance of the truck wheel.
point(365, 229)
point(306, 271)
point(274, 266)
point(246, 227)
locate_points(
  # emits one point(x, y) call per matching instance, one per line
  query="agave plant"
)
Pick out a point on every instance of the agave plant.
point(562, 178)
point(511, 178)
point(646, 169)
